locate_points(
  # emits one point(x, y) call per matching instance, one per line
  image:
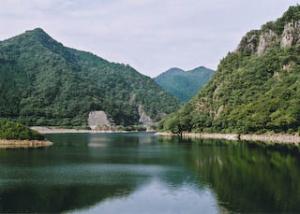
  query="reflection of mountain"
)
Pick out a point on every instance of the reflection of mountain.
point(248, 179)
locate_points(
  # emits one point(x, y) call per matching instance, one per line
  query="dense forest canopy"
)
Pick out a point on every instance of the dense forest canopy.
point(256, 88)
point(184, 84)
point(44, 83)
point(15, 131)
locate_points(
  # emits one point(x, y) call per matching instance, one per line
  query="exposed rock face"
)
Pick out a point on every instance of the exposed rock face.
point(132, 99)
point(249, 42)
point(219, 112)
point(266, 40)
point(98, 120)
point(291, 34)
point(258, 41)
point(144, 118)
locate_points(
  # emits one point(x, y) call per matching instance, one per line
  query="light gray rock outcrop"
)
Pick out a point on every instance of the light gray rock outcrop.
point(266, 40)
point(249, 42)
point(98, 120)
point(291, 34)
point(259, 41)
point(144, 118)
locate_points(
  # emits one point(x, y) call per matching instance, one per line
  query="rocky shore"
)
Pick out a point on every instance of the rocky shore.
point(15, 144)
point(267, 138)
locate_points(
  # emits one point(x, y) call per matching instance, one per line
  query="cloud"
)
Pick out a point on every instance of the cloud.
point(151, 35)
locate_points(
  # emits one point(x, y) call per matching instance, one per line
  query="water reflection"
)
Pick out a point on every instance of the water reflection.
point(157, 197)
point(141, 173)
point(247, 177)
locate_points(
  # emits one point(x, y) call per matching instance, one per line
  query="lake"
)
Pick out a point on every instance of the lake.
point(143, 173)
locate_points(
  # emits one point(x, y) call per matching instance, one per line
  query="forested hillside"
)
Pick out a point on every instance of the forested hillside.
point(44, 83)
point(256, 88)
point(184, 84)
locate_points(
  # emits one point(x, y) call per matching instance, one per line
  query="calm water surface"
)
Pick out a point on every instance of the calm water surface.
point(142, 173)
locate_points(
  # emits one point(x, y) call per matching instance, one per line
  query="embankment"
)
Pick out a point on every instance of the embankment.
point(15, 144)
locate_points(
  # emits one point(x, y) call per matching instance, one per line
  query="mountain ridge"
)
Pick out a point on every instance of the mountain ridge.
point(42, 82)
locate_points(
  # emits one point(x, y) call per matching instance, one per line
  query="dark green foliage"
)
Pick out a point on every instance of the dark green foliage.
point(15, 131)
point(250, 92)
point(184, 84)
point(292, 14)
point(44, 83)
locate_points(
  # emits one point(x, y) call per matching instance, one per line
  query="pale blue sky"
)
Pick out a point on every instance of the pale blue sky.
point(150, 35)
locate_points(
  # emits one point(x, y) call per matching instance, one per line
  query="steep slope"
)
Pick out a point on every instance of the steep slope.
point(184, 84)
point(256, 87)
point(44, 83)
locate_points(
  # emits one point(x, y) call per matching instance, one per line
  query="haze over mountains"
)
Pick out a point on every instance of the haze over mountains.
point(184, 84)
point(44, 83)
point(255, 89)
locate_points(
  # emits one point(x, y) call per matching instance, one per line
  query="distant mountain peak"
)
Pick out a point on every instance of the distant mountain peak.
point(184, 84)
point(179, 70)
point(201, 69)
point(174, 69)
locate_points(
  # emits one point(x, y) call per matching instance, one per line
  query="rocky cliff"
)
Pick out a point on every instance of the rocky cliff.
point(284, 32)
point(98, 120)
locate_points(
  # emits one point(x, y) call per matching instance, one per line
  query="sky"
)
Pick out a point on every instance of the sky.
point(150, 35)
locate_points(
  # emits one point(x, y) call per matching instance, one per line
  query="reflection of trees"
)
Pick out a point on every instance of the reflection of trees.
point(57, 198)
point(247, 178)
point(244, 178)
point(79, 188)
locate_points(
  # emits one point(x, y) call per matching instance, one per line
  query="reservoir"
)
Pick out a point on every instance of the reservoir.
point(145, 173)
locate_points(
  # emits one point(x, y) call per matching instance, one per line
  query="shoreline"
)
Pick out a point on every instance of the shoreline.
point(266, 138)
point(54, 130)
point(23, 144)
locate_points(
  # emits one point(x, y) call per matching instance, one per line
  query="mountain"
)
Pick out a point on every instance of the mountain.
point(43, 82)
point(255, 89)
point(184, 84)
